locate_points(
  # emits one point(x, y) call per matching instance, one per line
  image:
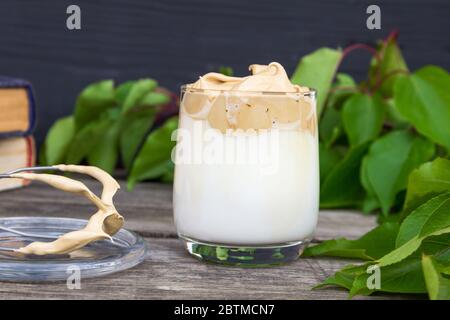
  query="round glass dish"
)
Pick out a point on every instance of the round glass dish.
point(94, 260)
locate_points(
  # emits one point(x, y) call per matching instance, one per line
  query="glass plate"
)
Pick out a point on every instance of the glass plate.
point(94, 260)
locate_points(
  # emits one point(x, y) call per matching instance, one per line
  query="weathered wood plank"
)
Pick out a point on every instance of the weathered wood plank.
point(148, 210)
point(170, 273)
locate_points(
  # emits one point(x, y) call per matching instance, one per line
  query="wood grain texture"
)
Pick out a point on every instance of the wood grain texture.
point(148, 210)
point(168, 271)
point(175, 41)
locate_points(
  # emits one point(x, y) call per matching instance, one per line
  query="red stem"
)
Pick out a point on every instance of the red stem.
point(362, 46)
point(356, 46)
point(393, 35)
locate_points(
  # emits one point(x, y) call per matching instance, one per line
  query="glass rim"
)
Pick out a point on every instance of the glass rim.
point(310, 93)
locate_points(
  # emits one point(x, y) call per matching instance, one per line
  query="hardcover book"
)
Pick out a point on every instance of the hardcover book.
point(15, 153)
point(17, 107)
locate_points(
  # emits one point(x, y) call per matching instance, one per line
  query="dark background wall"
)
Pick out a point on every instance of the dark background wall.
point(175, 41)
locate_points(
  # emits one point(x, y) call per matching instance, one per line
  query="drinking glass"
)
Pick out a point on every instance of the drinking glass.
point(246, 186)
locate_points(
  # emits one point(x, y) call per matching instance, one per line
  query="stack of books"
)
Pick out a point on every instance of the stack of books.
point(17, 121)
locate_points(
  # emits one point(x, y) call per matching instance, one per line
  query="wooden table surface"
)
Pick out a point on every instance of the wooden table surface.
point(169, 272)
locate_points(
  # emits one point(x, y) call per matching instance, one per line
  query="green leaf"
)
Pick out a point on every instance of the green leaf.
point(343, 278)
point(370, 201)
point(430, 219)
point(390, 160)
point(105, 154)
point(344, 80)
point(425, 102)
point(168, 176)
point(332, 192)
point(393, 117)
point(438, 78)
point(362, 117)
point(138, 90)
point(373, 245)
point(330, 127)
point(403, 277)
point(328, 158)
point(427, 181)
point(410, 247)
point(86, 139)
point(137, 125)
point(122, 91)
point(391, 67)
point(154, 159)
point(435, 244)
point(228, 71)
point(58, 140)
point(438, 287)
point(316, 70)
point(427, 218)
point(154, 99)
point(401, 253)
point(92, 101)
point(343, 87)
point(42, 159)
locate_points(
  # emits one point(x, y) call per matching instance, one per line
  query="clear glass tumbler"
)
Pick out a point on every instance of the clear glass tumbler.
point(246, 189)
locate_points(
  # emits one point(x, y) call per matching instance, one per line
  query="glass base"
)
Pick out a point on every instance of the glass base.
point(96, 259)
point(244, 256)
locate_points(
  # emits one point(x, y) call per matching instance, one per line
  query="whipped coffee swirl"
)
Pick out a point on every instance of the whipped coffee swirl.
point(266, 99)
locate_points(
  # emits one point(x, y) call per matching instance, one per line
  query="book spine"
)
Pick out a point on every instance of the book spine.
point(19, 83)
point(32, 111)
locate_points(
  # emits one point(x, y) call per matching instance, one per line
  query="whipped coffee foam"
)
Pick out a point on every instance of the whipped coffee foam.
point(264, 100)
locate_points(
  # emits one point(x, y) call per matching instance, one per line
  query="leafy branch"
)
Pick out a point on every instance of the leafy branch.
point(384, 147)
point(129, 125)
